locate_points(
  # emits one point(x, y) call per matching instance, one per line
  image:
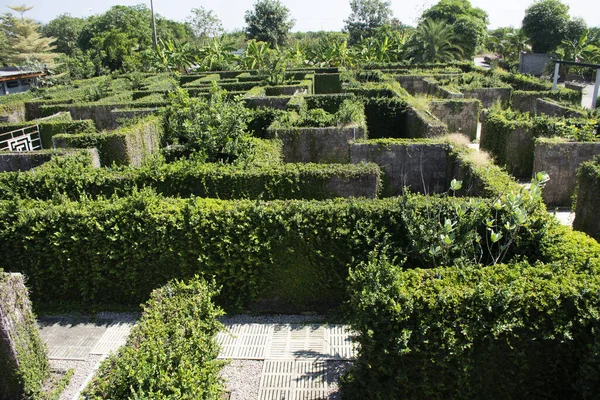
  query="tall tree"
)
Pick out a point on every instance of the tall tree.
point(205, 24)
point(545, 24)
point(366, 17)
point(468, 23)
point(27, 46)
point(120, 37)
point(66, 29)
point(22, 9)
point(269, 22)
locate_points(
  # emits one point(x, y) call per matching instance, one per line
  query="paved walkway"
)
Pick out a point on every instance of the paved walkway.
point(81, 344)
point(296, 361)
point(269, 360)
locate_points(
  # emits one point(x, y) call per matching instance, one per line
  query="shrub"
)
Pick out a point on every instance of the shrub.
point(509, 331)
point(171, 352)
point(214, 129)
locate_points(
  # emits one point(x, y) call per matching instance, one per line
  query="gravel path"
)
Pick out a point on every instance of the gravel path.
point(243, 378)
point(83, 370)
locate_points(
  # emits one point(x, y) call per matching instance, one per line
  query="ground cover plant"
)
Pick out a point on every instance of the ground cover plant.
point(172, 350)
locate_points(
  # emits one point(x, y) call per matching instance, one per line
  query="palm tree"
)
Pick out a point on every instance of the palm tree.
point(433, 41)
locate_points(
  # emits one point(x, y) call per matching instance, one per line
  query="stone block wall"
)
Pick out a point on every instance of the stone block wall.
point(317, 145)
point(278, 103)
point(24, 363)
point(26, 161)
point(356, 186)
point(588, 201)
point(533, 64)
point(560, 159)
point(413, 84)
point(421, 167)
point(488, 96)
point(459, 115)
point(552, 109)
point(421, 124)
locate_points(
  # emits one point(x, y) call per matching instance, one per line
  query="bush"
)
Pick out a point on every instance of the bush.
point(171, 352)
point(213, 129)
point(507, 331)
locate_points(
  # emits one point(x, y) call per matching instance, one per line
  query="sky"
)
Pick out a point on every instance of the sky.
point(310, 15)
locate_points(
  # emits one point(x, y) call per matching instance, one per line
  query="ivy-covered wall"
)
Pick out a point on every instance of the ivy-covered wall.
point(24, 366)
point(274, 256)
point(317, 145)
point(126, 146)
point(171, 352)
point(185, 179)
point(419, 166)
point(460, 116)
point(588, 198)
point(560, 159)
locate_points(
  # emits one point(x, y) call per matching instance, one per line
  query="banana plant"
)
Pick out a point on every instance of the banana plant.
point(174, 56)
point(216, 55)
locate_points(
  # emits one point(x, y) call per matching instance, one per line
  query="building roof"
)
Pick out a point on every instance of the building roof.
point(12, 73)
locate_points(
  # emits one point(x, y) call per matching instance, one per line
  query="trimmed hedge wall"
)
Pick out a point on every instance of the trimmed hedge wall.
point(126, 146)
point(170, 353)
point(505, 332)
point(185, 179)
point(291, 255)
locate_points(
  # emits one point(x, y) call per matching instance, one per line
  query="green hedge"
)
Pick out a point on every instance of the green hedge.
point(294, 253)
point(170, 353)
point(503, 332)
point(69, 178)
point(125, 146)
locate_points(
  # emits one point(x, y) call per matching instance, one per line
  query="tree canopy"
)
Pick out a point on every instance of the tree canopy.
point(205, 24)
point(546, 24)
point(269, 22)
point(66, 29)
point(366, 17)
point(468, 23)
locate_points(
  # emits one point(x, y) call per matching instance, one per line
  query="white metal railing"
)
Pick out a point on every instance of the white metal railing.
point(24, 139)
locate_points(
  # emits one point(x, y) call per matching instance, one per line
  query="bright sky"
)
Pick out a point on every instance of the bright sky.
point(310, 15)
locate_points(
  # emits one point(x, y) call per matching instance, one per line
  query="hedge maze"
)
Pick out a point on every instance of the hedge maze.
point(316, 190)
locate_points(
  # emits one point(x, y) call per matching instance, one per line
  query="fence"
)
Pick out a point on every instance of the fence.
point(23, 139)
